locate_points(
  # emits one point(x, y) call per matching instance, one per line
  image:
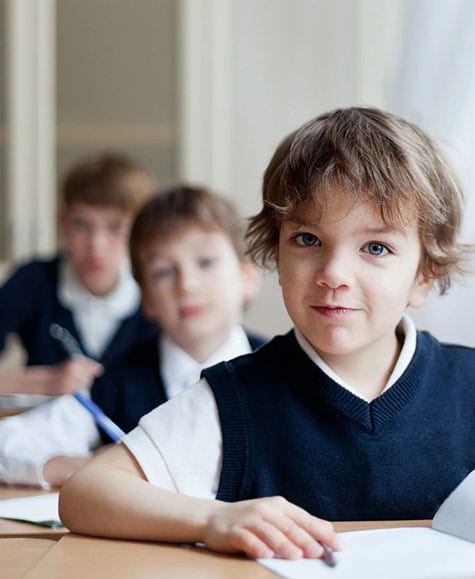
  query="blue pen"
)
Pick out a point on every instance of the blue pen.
point(72, 348)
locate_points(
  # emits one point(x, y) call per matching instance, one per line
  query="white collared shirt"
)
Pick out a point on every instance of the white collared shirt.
point(62, 427)
point(97, 318)
point(184, 436)
point(179, 370)
point(406, 328)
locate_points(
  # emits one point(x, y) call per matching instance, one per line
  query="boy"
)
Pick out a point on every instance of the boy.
point(87, 288)
point(187, 253)
point(351, 415)
point(188, 258)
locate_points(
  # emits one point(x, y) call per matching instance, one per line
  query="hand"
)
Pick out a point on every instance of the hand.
point(266, 528)
point(56, 471)
point(76, 373)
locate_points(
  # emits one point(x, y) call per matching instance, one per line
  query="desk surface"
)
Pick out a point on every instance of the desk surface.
point(76, 556)
point(36, 553)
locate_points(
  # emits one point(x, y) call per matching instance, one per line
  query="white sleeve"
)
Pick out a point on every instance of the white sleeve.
point(179, 444)
point(61, 427)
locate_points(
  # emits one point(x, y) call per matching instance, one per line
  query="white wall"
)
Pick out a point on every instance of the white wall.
point(291, 61)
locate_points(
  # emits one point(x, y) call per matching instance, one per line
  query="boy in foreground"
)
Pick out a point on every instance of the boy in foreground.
point(187, 255)
point(353, 414)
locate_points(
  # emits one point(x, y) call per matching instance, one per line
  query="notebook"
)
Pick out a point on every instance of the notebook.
point(38, 509)
point(445, 551)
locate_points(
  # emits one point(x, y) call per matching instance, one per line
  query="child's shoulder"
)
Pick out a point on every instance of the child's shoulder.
point(36, 273)
point(267, 357)
point(455, 354)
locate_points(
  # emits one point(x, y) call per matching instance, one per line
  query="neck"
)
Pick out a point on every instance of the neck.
point(367, 375)
point(202, 349)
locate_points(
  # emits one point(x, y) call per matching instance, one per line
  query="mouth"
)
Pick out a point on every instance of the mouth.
point(95, 266)
point(333, 311)
point(191, 311)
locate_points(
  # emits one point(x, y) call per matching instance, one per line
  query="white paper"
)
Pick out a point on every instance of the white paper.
point(456, 515)
point(403, 553)
point(34, 508)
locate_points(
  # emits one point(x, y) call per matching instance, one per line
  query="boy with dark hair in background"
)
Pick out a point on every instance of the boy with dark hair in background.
point(87, 288)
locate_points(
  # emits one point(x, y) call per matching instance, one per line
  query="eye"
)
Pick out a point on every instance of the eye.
point(206, 262)
point(117, 228)
point(162, 272)
point(81, 226)
point(307, 239)
point(376, 249)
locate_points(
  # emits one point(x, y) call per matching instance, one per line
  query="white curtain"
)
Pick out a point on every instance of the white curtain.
point(435, 87)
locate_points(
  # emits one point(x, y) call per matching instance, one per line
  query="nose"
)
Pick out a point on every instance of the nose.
point(333, 271)
point(97, 241)
point(186, 280)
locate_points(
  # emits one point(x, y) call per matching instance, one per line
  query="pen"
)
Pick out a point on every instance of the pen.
point(328, 558)
point(72, 348)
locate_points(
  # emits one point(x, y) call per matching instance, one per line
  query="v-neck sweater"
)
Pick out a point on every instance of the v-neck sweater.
point(288, 429)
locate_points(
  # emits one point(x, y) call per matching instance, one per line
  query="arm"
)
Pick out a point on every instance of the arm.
point(32, 442)
point(110, 497)
point(77, 373)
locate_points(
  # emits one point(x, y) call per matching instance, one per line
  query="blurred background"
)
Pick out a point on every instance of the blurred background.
point(203, 90)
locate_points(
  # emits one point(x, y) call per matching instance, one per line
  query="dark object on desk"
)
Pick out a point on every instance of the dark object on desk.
point(50, 523)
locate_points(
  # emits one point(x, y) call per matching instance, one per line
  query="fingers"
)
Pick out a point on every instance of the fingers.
point(319, 529)
point(77, 373)
point(292, 533)
point(271, 527)
point(288, 540)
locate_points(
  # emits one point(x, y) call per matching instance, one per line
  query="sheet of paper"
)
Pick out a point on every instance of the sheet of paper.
point(34, 508)
point(456, 515)
point(403, 553)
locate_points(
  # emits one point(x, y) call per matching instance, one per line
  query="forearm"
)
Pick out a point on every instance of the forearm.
point(27, 380)
point(28, 441)
point(103, 501)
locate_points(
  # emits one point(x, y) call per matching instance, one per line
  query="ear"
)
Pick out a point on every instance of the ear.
point(420, 290)
point(147, 305)
point(61, 222)
point(252, 280)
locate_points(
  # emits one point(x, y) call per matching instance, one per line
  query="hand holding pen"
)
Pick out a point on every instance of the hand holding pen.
point(78, 372)
point(73, 349)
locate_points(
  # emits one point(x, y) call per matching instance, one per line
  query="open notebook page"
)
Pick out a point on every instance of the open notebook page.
point(34, 509)
point(404, 553)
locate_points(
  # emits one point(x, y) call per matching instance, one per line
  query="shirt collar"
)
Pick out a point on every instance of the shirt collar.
point(406, 329)
point(179, 370)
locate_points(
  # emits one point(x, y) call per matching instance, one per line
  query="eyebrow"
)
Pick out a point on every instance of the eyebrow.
point(373, 230)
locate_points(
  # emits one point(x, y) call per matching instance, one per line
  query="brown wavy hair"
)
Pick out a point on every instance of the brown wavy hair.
point(173, 210)
point(365, 154)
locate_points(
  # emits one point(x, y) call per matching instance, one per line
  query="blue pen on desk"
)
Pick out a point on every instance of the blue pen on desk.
point(72, 348)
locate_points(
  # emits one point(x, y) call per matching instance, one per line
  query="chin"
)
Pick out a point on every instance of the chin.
point(98, 287)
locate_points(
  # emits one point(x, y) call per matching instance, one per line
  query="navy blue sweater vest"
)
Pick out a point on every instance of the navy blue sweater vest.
point(29, 305)
point(133, 386)
point(289, 430)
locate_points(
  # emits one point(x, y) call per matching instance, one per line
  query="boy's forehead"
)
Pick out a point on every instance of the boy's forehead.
point(192, 237)
point(82, 208)
point(366, 211)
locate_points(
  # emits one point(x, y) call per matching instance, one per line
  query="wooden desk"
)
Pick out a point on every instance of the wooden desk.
point(76, 556)
point(13, 529)
point(19, 556)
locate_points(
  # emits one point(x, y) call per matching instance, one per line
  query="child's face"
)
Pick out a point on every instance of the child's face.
point(347, 280)
point(194, 285)
point(96, 241)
